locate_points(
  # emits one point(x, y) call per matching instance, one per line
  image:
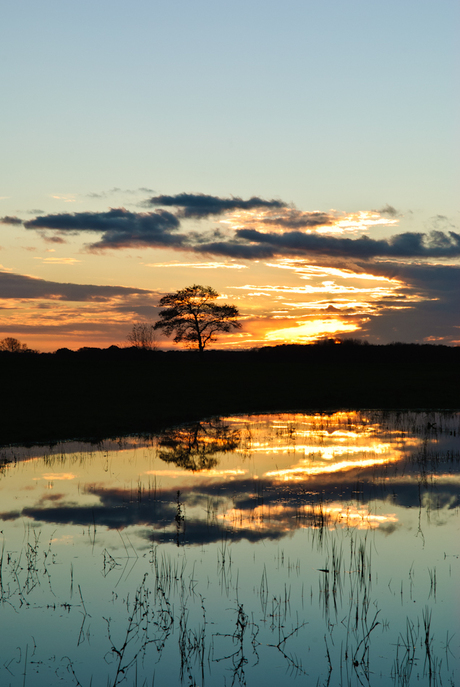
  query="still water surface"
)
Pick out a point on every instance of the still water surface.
point(285, 549)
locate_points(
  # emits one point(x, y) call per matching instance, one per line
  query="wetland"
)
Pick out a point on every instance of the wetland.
point(317, 548)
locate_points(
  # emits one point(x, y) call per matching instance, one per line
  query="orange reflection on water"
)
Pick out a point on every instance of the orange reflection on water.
point(300, 472)
point(279, 518)
point(56, 476)
point(355, 516)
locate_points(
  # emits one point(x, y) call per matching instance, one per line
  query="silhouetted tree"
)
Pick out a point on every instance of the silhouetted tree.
point(142, 335)
point(14, 346)
point(194, 447)
point(195, 317)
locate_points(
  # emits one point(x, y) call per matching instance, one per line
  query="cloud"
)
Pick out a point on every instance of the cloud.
point(296, 219)
point(19, 286)
point(199, 265)
point(10, 220)
point(441, 222)
point(434, 318)
point(119, 228)
point(116, 190)
point(201, 206)
point(235, 249)
point(58, 261)
point(388, 210)
point(254, 244)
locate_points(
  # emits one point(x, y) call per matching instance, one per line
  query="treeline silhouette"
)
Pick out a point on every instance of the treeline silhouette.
point(94, 393)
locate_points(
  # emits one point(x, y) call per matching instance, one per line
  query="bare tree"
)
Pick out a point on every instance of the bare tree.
point(142, 335)
point(194, 317)
point(14, 346)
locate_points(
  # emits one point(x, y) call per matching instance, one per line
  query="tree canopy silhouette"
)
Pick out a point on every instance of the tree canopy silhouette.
point(197, 446)
point(195, 317)
point(14, 346)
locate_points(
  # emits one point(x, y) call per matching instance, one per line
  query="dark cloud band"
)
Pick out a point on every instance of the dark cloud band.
point(119, 228)
point(407, 245)
point(200, 206)
point(20, 286)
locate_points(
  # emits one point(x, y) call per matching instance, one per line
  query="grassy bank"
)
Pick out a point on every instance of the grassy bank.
point(94, 393)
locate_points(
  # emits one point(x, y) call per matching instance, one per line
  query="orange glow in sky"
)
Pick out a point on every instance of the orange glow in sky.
point(309, 331)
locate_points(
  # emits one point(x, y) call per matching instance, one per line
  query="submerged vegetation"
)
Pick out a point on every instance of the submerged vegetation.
point(291, 549)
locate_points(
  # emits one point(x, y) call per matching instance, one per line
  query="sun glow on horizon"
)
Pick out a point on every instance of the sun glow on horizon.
point(309, 331)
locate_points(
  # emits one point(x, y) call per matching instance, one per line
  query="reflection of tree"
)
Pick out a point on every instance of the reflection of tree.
point(194, 447)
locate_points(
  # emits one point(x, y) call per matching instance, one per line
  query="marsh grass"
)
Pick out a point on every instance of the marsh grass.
point(316, 607)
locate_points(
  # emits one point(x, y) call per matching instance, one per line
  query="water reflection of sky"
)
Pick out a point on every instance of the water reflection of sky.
point(249, 507)
point(248, 477)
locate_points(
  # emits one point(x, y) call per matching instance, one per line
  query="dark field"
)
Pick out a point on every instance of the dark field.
point(94, 393)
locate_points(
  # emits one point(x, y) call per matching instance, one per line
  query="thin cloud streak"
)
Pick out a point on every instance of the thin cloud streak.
point(19, 286)
point(10, 220)
point(201, 206)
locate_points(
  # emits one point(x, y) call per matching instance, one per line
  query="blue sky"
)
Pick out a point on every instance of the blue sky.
point(344, 106)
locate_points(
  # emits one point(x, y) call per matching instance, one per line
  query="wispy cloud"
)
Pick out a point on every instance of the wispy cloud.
point(118, 191)
point(20, 286)
point(67, 198)
point(200, 205)
point(58, 261)
point(388, 210)
point(10, 220)
point(199, 265)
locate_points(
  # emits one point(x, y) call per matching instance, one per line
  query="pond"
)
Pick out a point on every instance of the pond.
point(292, 549)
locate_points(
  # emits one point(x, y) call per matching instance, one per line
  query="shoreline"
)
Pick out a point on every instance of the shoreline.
point(98, 393)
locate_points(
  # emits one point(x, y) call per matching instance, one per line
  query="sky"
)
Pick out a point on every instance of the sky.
point(302, 158)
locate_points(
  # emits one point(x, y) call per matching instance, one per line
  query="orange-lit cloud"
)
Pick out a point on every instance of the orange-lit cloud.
point(58, 261)
point(309, 331)
point(199, 265)
point(331, 222)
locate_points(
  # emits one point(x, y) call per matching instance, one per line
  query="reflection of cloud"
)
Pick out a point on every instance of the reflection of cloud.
point(239, 514)
point(58, 261)
point(300, 472)
point(53, 476)
point(10, 515)
point(213, 472)
point(284, 472)
point(279, 517)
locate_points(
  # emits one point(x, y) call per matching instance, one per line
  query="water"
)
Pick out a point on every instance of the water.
point(277, 549)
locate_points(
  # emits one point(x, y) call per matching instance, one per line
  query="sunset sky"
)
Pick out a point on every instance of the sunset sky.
point(301, 157)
